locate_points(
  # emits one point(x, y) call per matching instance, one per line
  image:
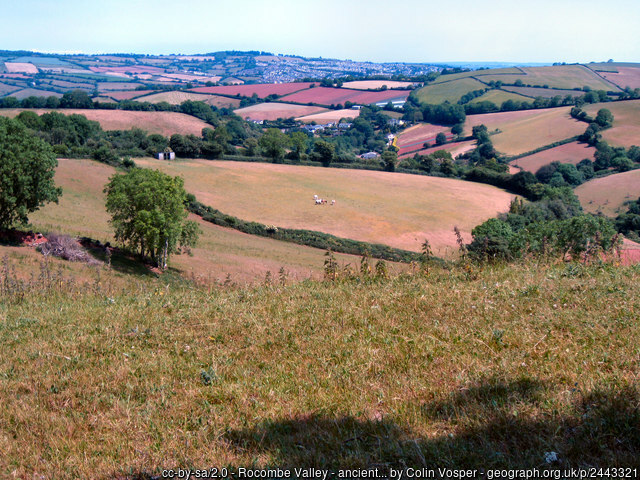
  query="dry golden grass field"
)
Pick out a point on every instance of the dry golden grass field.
point(274, 110)
point(573, 152)
point(626, 122)
point(608, 194)
point(455, 149)
point(330, 116)
point(177, 97)
point(624, 76)
point(395, 209)
point(220, 251)
point(526, 130)
point(164, 123)
point(557, 76)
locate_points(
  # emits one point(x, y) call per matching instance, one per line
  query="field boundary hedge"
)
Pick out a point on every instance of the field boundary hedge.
point(310, 238)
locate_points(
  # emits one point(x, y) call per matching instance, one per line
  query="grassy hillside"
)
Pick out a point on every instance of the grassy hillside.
point(394, 209)
point(449, 91)
point(491, 372)
point(164, 123)
point(608, 194)
point(626, 122)
point(220, 251)
point(573, 152)
point(526, 130)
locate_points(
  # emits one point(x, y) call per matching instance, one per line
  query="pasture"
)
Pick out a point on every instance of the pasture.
point(498, 96)
point(338, 96)
point(177, 97)
point(413, 138)
point(624, 76)
point(395, 209)
point(330, 116)
point(558, 76)
point(33, 92)
point(607, 195)
point(455, 149)
point(626, 122)
point(449, 91)
point(507, 73)
point(534, 92)
point(164, 123)
point(18, 67)
point(526, 130)
point(274, 110)
point(375, 84)
point(573, 152)
point(128, 94)
point(220, 251)
point(114, 86)
point(262, 90)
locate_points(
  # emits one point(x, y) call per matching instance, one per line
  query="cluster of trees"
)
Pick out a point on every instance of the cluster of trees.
point(628, 223)
point(553, 225)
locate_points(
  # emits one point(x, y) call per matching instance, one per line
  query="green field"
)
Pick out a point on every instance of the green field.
point(394, 209)
point(561, 76)
point(450, 91)
point(499, 96)
point(506, 72)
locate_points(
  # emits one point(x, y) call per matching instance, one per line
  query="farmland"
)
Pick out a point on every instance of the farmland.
point(177, 97)
point(526, 130)
point(498, 96)
point(273, 111)
point(534, 92)
point(330, 116)
point(506, 73)
point(16, 67)
point(338, 96)
point(413, 138)
point(375, 84)
point(626, 122)
point(449, 91)
point(261, 90)
point(454, 148)
point(220, 251)
point(395, 209)
point(560, 76)
point(624, 76)
point(128, 94)
point(608, 194)
point(572, 152)
point(164, 123)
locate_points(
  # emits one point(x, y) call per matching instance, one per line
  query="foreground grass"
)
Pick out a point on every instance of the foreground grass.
point(418, 370)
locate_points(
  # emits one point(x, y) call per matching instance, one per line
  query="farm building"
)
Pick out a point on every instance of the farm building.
point(167, 154)
point(369, 155)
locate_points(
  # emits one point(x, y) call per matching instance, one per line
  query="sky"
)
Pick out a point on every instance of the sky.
point(424, 31)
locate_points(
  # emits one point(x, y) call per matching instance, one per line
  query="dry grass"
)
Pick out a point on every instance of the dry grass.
point(15, 67)
point(526, 130)
point(608, 194)
point(274, 110)
point(33, 92)
point(220, 251)
point(626, 122)
point(177, 97)
point(330, 116)
point(624, 76)
point(395, 209)
point(507, 73)
point(573, 152)
point(488, 373)
point(455, 149)
point(559, 76)
point(543, 92)
point(164, 123)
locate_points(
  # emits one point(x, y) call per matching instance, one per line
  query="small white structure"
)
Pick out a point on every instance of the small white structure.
point(167, 155)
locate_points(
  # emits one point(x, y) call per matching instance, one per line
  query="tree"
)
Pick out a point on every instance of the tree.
point(148, 213)
point(604, 118)
point(27, 167)
point(323, 152)
point(389, 160)
point(441, 139)
point(273, 143)
point(299, 144)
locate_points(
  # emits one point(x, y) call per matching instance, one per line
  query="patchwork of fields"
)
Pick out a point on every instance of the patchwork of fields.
point(626, 122)
point(275, 110)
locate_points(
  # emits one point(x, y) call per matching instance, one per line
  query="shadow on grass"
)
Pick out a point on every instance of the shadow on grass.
point(121, 262)
point(491, 425)
point(495, 424)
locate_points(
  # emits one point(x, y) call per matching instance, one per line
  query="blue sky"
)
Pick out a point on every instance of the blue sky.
point(376, 30)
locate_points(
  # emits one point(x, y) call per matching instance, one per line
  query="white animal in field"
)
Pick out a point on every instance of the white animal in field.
point(333, 202)
point(319, 201)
